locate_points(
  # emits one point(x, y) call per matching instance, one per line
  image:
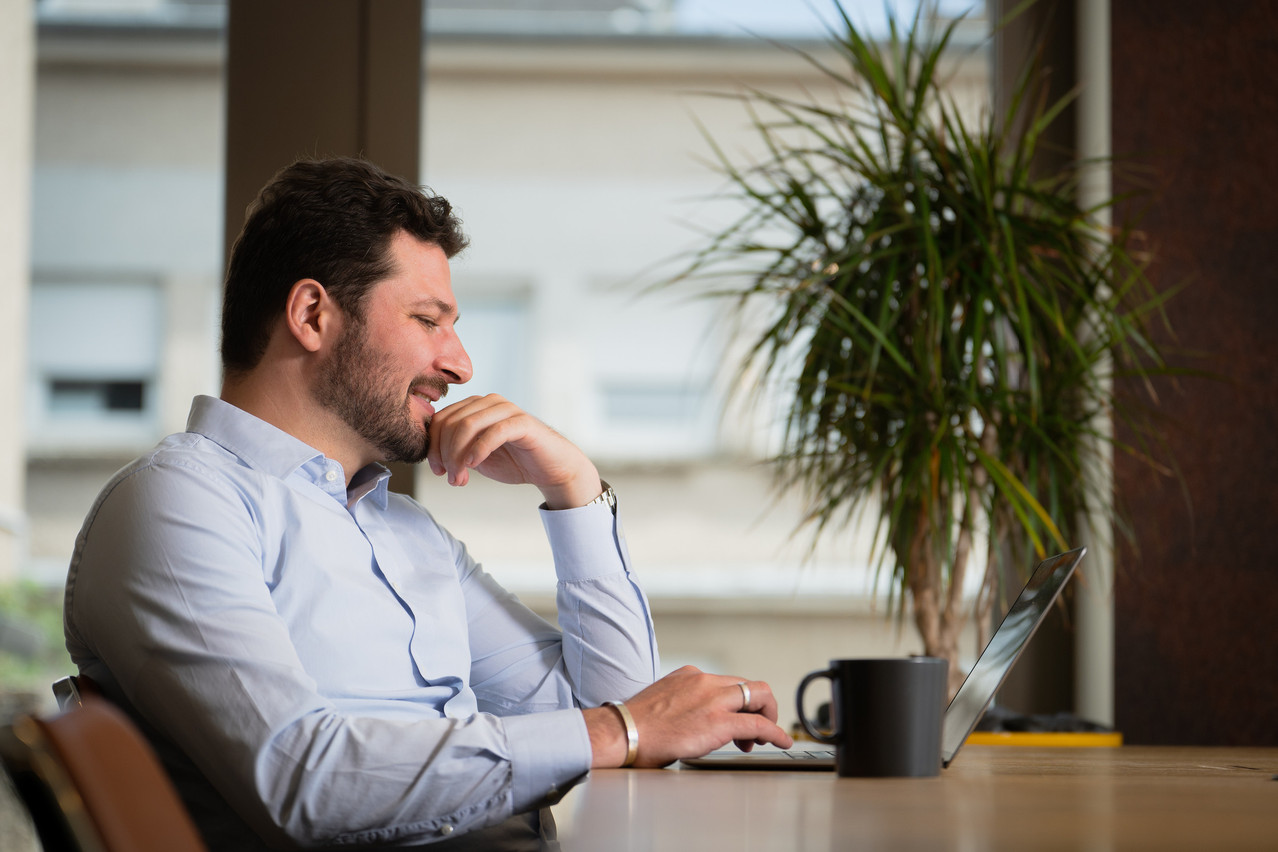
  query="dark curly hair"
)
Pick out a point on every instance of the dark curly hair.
point(331, 220)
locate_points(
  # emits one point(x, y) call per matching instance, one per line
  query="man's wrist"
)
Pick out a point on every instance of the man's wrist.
point(632, 732)
point(607, 497)
point(581, 491)
point(608, 740)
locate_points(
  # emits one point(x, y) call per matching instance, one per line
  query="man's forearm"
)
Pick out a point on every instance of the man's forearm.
point(609, 644)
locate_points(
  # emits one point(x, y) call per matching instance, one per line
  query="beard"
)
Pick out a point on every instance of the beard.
point(357, 383)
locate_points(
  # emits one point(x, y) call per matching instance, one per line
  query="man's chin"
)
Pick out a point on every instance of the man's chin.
point(405, 454)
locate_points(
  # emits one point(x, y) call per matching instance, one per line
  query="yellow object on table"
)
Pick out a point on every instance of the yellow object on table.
point(1105, 739)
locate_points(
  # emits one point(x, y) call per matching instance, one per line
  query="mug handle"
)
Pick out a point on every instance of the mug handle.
point(827, 737)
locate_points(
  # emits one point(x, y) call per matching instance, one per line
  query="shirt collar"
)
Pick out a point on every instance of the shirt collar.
point(271, 450)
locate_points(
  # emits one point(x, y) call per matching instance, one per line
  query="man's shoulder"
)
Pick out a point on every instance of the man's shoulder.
point(183, 479)
point(183, 450)
point(179, 463)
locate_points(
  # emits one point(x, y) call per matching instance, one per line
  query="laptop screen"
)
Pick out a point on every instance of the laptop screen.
point(1004, 647)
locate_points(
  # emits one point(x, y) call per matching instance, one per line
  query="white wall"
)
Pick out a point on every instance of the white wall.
point(127, 192)
point(17, 54)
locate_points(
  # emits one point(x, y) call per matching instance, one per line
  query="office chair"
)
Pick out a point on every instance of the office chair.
point(92, 783)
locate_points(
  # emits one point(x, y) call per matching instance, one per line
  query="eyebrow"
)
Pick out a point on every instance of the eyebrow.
point(447, 309)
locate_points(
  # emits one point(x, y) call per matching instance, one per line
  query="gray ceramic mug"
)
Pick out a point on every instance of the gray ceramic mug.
point(886, 715)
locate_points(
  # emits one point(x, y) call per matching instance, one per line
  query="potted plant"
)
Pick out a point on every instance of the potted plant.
point(941, 322)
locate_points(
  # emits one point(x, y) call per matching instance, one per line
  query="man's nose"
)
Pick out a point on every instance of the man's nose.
point(455, 363)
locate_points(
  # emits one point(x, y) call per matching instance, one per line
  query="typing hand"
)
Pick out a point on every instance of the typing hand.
point(503, 442)
point(687, 714)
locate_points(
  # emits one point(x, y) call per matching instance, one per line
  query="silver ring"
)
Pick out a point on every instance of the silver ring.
point(745, 696)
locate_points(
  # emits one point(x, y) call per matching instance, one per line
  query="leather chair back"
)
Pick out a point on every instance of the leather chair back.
point(92, 782)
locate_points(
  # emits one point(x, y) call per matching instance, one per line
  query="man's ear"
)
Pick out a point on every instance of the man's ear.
point(310, 314)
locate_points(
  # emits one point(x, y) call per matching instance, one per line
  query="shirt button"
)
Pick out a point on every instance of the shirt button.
point(331, 475)
point(445, 829)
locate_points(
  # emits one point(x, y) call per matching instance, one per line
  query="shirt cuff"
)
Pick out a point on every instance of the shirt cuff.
point(587, 542)
point(549, 753)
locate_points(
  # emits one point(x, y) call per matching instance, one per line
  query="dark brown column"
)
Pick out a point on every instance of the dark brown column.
point(320, 78)
point(1196, 640)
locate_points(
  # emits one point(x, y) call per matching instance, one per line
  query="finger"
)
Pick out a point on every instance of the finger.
point(759, 695)
point(439, 432)
point(491, 433)
point(751, 728)
point(470, 405)
point(746, 695)
point(454, 438)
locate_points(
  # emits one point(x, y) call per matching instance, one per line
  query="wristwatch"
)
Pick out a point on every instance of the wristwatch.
point(607, 498)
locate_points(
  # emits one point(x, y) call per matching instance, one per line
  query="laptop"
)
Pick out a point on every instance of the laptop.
point(971, 700)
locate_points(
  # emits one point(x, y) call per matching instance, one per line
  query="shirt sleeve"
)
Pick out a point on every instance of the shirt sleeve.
point(175, 615)
point(610, 646)
point(605, 647)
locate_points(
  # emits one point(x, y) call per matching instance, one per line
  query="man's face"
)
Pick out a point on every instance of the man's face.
point(386, 371)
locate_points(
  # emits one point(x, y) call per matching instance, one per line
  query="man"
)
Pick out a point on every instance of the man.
point(318, 662)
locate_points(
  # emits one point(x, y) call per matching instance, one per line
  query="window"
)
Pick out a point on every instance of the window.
point(93, 364)
point(653, 363)
point(68, 396)
point(494, 329)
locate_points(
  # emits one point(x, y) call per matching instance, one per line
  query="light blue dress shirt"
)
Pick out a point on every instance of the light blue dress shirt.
point(330, 665)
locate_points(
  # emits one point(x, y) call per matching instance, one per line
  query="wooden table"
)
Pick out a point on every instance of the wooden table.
point(992, 797)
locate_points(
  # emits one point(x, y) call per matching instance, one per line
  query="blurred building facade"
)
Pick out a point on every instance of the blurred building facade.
point(569, 136)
